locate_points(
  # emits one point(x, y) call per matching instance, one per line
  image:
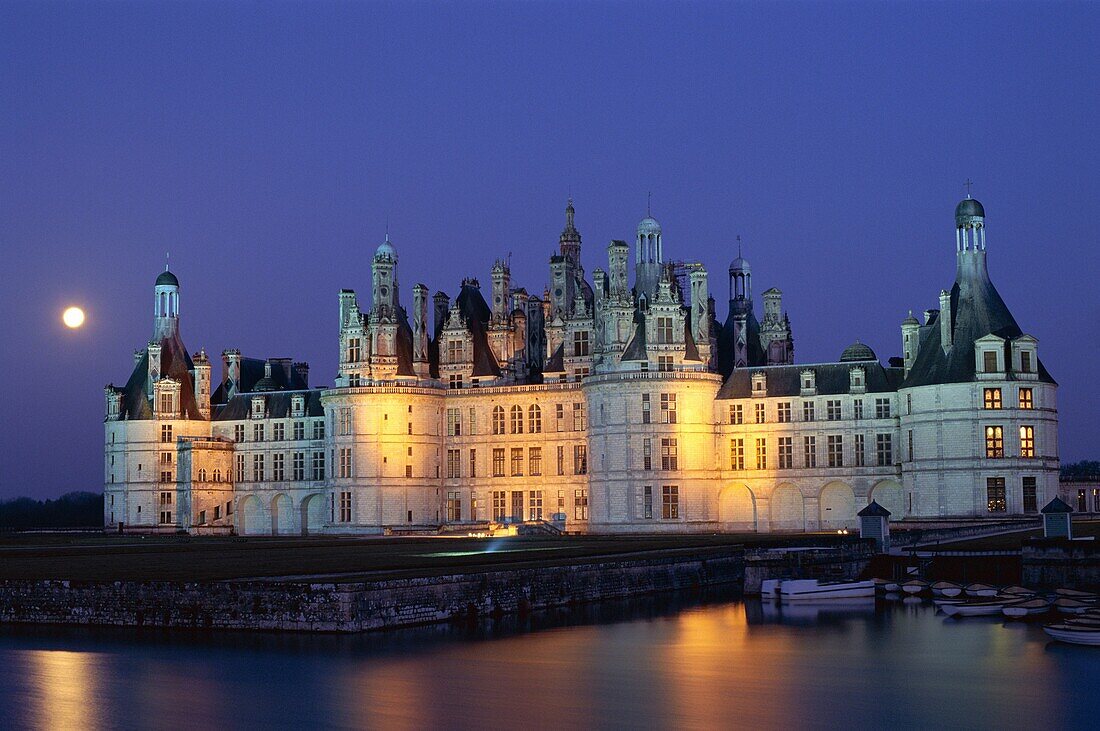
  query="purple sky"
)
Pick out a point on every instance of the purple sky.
point(266, 146)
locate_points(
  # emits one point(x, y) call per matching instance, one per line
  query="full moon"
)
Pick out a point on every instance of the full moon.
point(73, 317)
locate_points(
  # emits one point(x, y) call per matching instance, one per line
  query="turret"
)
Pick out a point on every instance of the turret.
point(910, 340)
point(166, 305)
point(570, 241)
point(420, 330)
point(201, 376)
point(384, 278)
point(501, 285)
point(648, 256)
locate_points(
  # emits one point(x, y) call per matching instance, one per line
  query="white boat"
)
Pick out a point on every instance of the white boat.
point(1075, 594)
point(892, 587)
point(1026, 607)
point(769, 588)
point(952, 591)
point(940, 601)
point(914, 586)
point(1065, 605)
point(1074, 634)
point(973, 609)
point(1018, 591)
point(802, 590)
point(940, 588)
point(981, 590)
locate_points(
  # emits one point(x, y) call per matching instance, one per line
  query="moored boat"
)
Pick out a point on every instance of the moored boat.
point(1075, 594)
point(1026, 607)
point(1018, 591)
point(892, 587)
point(940, 588)
point(981, 590)
point(1065, 605)
point(914, 586)
point(801, 590)
point(973, 609)
point(1074, 634)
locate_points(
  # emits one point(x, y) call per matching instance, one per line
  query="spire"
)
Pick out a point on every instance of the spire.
point(570, 240)
point(569, 211)
point(648, 204)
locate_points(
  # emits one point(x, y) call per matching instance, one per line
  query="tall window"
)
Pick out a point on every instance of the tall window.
point(668, 408)
point(559, 417)
point(1026, 400)
point(670, 458)
point(834, 450)
point(737, 414)
point(500, 504)
point(498, 462)
point(664, 330)
point(647, 502)
point(809, 451)
point(278, 472)
point(534, 461)
point(257, 432)
point(534, 419)
point(580, 459)
point(670, 502)
point(759, 413)
point(345, 462)
point(454, 506)
point(534, 505)
point(498, 420)
point(454, 423)
point(857, 452)
point(238, 433)
point(995, 495)
point(647, 454)
point(299, 466)
point(166, 433)
point(1031, 503)
point(832, 410)
point(353, 350)
point(1027, 441)
point(992, 398)
point(580, 343)
point(319, 429)
point(1025, 361)
point(580, 419)
point(278, 431)
point(257, 468)
point(994, 442)
point(783, 412)
point(561, 459)
point(517, 419)
point(454, 464)
point(580, 504)
point(345, 507)
point(737, 454)
point(299, 430)
point(645, 408)
point(473, 463)
point(318, 464)
point(517, 461)
point(344, 422)
point(240, 468)
point(857, 408)
point(884, 449)
point(882, 408)
point(989, 361)
point(807, 411)
point(786, 453)
point(454, 351)
point(761, 454)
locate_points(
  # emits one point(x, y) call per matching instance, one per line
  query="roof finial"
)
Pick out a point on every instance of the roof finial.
point(166, 260)
point(968, 183)
point(648, 202)
point(738, 244)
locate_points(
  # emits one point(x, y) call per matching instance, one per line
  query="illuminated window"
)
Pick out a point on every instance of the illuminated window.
point(1027, 441)
point(1026, 400)
point(995, 495)
point(994, 442)
point(991, 398)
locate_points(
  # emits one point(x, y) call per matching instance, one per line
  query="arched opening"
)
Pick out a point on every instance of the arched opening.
point(888, 494)
point(838, 507)
point(737, 508)
point(787, 509)
point(313, 514)
point(282, 517)
point(250, 517)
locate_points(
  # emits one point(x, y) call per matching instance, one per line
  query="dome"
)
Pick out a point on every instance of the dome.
point(386, 250)
point(168, 279)
point(969, 207)
point(740, 264)
point(648, 225)
point(857, 351)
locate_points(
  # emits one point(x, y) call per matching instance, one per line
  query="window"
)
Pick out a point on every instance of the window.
point(217, 477)
point(580, 419)
point(645, 408)
point(989, 362)
point(857, 452)
point(668, 408)
point(1026, 401)
point(278, 431)
point(580, 504)
point(299, 430)
point(473, 463)
point(670, 502)
point(166, 433)
point(318, 429)
point(454, 464)
point(517, 419)
point(454, 506)
point(454, 351)
point(580, 459)
point(498, 420)
point(353, 350)
point(454, 380)
point(994, 442)
point(737, 454)
point(580, 343)
point(257, 468)
point(884, 449)
point(517, 461)
point(500, 504)
point(298, 466)
point(669, 454)
point(995, 495)
point(344, 421)
point(832, 410)
point(664, 330)
point(534, 461)
point(534, 505)
point(761, 454)
point(278, 472)
point(857, 408)
point(345, 507)
point(809, 451)
point(454, 423)
point(665, 363)
point(217, 512)
point(647, 502)
point(737, 414)
point(882, 408)
point(345, 462)
point(257, 432)
point(1025, 361)
point(318, 464)
point(834, 450)
point(498, 463)
point(1027, 441)
point(238, 433)
point(647, 454)
point(1095, 500)
point(909, 436)
point(166, 408)
point(786, 453)
point(202, 517)
point(759, 413)
point(1031, 503)
point(783, 412)
point(559, 417)
point(992, 398)
point(561, 460)
point(240, 468)
point(807, 411)
point(534, 419)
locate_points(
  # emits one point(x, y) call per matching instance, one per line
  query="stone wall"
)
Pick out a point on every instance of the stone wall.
point(834, 564)
point(353, 607)
point(1054, 563)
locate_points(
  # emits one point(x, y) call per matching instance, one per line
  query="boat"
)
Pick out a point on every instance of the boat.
point(769, 588)
point(940, 588)
point(881, 584)
point(1073, 634)
point(981, 590)
point(940, 601)
point(892, 587)
point(1018, 591)
point(974, 609)
point(1082, 621)
point(1075, 594)
point(1065, 605)
point(1026, 607)
point(914, 586)
point(801, 590)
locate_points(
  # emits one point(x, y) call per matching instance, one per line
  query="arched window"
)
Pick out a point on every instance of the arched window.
point(517, 419)
point(217, 475)
point(202, 475)
point(498, 420)
point(534, 416)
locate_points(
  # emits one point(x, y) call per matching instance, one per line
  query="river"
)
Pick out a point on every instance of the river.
point(666, 663)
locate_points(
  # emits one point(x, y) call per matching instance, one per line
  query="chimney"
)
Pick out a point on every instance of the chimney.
point(154, 362)
point(302, 371)
point(442, 309)
point(420, 330)
point(945, 320)
point(231, 369)
point(202, 382)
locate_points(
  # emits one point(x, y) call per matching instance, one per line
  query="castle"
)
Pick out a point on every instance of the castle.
point(601, 405)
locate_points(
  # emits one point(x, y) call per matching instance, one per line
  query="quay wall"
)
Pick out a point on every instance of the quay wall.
point(359, 606)
point(1054, 563)
point(834, 564)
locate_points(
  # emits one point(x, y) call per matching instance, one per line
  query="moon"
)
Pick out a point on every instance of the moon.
point(73, 317)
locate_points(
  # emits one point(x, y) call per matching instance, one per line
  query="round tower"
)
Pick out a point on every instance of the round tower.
point(166, 305)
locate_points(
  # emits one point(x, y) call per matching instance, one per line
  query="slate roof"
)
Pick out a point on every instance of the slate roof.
point(556, 363)
point(726, 349)
point(476, 313)
point(1057, 505)
point(691, 350)
point(175, 363)
point(874, 509)
point(283, 376)
point(635, 349)
point(831, 379)
point(276, 405)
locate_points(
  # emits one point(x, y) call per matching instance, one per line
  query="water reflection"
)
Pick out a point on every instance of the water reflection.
point(689, 662)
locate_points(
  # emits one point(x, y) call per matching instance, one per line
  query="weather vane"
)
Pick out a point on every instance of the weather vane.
point(968, 183)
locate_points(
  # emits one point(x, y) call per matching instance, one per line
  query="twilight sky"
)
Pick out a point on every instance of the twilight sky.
point(266, 145)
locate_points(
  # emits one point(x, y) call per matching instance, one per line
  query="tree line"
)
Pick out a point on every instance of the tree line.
point(72, 510)
point(1083, 470)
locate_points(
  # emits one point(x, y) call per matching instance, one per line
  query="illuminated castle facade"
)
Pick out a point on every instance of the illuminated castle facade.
point(604, 404)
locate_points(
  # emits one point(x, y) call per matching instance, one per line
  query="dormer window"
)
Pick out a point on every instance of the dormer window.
point(808, 382)
point(258, 407)
point(297, 406)
point(989, 361)
point(857, 382)
point(759, 384)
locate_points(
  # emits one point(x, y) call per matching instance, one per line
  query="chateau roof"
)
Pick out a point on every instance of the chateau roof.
point(635, 349)
point(175, 363)
point(831, 379)
point(276, 405)
point(284, 377)
point(476, 313)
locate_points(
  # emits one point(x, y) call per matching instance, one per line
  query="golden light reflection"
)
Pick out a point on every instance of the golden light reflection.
point(63, 687)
